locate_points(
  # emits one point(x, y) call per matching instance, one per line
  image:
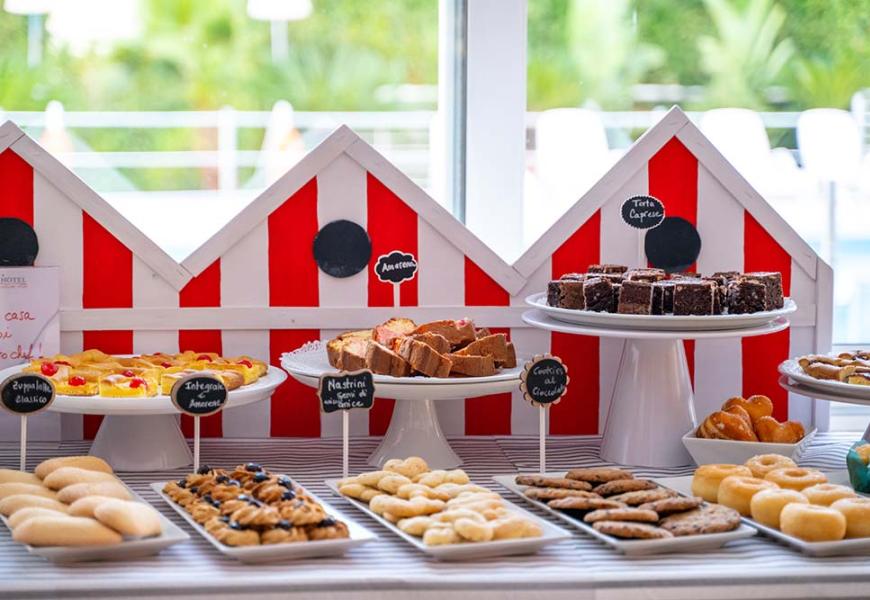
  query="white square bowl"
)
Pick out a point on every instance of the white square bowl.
point(705, 452)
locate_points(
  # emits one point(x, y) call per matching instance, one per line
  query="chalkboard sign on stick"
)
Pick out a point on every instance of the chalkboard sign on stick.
point(199, 395)
point(26, 393)
point(643, 212)
point(396, 267)
point(346, 391)
point(544, 380)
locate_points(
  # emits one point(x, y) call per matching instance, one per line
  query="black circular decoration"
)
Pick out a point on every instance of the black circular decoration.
point(643, 212)
point(673, 246)
point(26, 393)
point(18, 243)
point(342, 248)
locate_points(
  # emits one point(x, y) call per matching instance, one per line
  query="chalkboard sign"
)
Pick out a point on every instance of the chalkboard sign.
point(544, 380)
point(26, 393)
point(643, 212)
point(396, 267)
point(342, 248)
point(18, 243)
point(345, 391)
point(199, 395)
point(673, 246)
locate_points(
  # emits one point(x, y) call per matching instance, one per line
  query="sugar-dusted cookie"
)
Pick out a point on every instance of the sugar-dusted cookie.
point(14, 488)
point(91, 463)
point(416, 525)
point(113, 489)
point(453, 514)
point(64, 476)
point(622, 514)
point(710, 518)
point(409, 490)
point(440, 536)
point(11, 504)
point(392, 482)
point(359, 491)
point(514, 526)
point(473, 530)
point(584, 503)
point(129, 518)
point(621, 486)
point(31, 512)
point(667, 506)
point(599, 474)
point(410, 467)
point(371, 478)
point(440, 476)
point(13, 476)
point(402, 509)
point(629, 530)
point(553, 493)
point(643, 496)
point(553, 482)
point(64, 530)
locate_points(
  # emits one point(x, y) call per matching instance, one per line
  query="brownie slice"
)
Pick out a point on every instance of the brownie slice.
point(614, 301)
point(647, 275)
point(694, 297)
point(635, 298)
point(746, 296)
point(663, 297)
point(720, 300)
point(566, 293)
point(598, 293)
point(554, 292)
point(727, 275)
point(773, 282)
point(607, 268)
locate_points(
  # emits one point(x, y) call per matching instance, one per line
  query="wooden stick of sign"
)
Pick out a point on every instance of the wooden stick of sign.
point(26, 394)
point(543, 382)
point(198, 396)
point(346, 391)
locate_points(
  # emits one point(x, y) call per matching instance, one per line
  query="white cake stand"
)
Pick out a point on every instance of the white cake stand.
point(820, 393)
point(414, 428)
point(652, 404)
point(143, 434)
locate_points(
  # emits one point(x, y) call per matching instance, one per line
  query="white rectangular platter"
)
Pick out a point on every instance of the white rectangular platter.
point(841, 548)
point(471, 550)
point(126, 550)
point(279, 552)
point(693, 543)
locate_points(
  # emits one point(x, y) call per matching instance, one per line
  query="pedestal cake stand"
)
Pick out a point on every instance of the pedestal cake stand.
point(414, 428)
point(652, 405)
point(143, 434)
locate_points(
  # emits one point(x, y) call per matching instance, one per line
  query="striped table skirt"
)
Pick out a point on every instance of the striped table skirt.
point(580, 567)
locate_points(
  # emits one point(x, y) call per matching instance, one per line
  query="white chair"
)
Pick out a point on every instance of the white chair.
point(571, 155)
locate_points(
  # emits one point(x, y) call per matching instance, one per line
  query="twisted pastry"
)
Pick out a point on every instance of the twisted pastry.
point(230, 506)
point(301, 512)
point(203, 511)
point(227, 491)
point(283, 533)
point(328, 529)
point(245, 473)
point(259, 517)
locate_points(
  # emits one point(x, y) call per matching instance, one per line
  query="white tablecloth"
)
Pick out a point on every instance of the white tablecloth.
point(754, 568)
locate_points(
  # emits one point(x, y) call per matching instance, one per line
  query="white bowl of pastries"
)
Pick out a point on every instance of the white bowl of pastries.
point(744, 428)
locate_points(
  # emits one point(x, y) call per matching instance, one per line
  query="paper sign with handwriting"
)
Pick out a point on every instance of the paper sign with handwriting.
point(29, 313)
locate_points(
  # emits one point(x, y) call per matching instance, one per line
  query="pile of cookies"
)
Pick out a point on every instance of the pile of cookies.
point(95, 373)
point(250, 506)
point(846, 367)
point(73, 501)
point(616, 503)
point(441, 507)
point(749, 420)
point(777, 493)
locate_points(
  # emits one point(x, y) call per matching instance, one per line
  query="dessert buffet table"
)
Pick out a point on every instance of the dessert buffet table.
point(388, 567)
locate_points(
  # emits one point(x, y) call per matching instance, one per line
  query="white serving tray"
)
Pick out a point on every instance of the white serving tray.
point(470, 550)
point(845, 547)
point(711, 451)
point(126, 550)
point(659, 322)
point(278, 552)
point(690, 543)
point(793, 370)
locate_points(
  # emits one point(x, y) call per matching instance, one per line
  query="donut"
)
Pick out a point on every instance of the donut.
point(796, 478)
point(825, 494)
point(812, 523)
point(705, 482)
point(736, 491)
point(766, 506)
point(857, 513)
point(762, 464)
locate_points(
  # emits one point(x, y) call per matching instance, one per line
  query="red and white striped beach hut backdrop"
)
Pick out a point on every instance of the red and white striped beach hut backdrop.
point(739, 230)
point(254, 287)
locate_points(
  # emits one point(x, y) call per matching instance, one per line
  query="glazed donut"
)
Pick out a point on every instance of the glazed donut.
point(812, 523)
point(707, 478)
point(796, 478)
point(762, 464)
point(736, 492)
point(857, 513)
point(825, 494)
point(766, 506)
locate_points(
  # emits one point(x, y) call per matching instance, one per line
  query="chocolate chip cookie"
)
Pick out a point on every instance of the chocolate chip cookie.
point(643, 496)
point(622, 514)
point(599, 474)
point(584, 503)
point(536, 493)
point(629, 530)
point(621, 486)
point(553, 482)
point(710, 518)
point(677, 504)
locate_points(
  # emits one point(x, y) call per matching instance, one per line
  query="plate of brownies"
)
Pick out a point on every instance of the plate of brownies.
point(648, 298)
